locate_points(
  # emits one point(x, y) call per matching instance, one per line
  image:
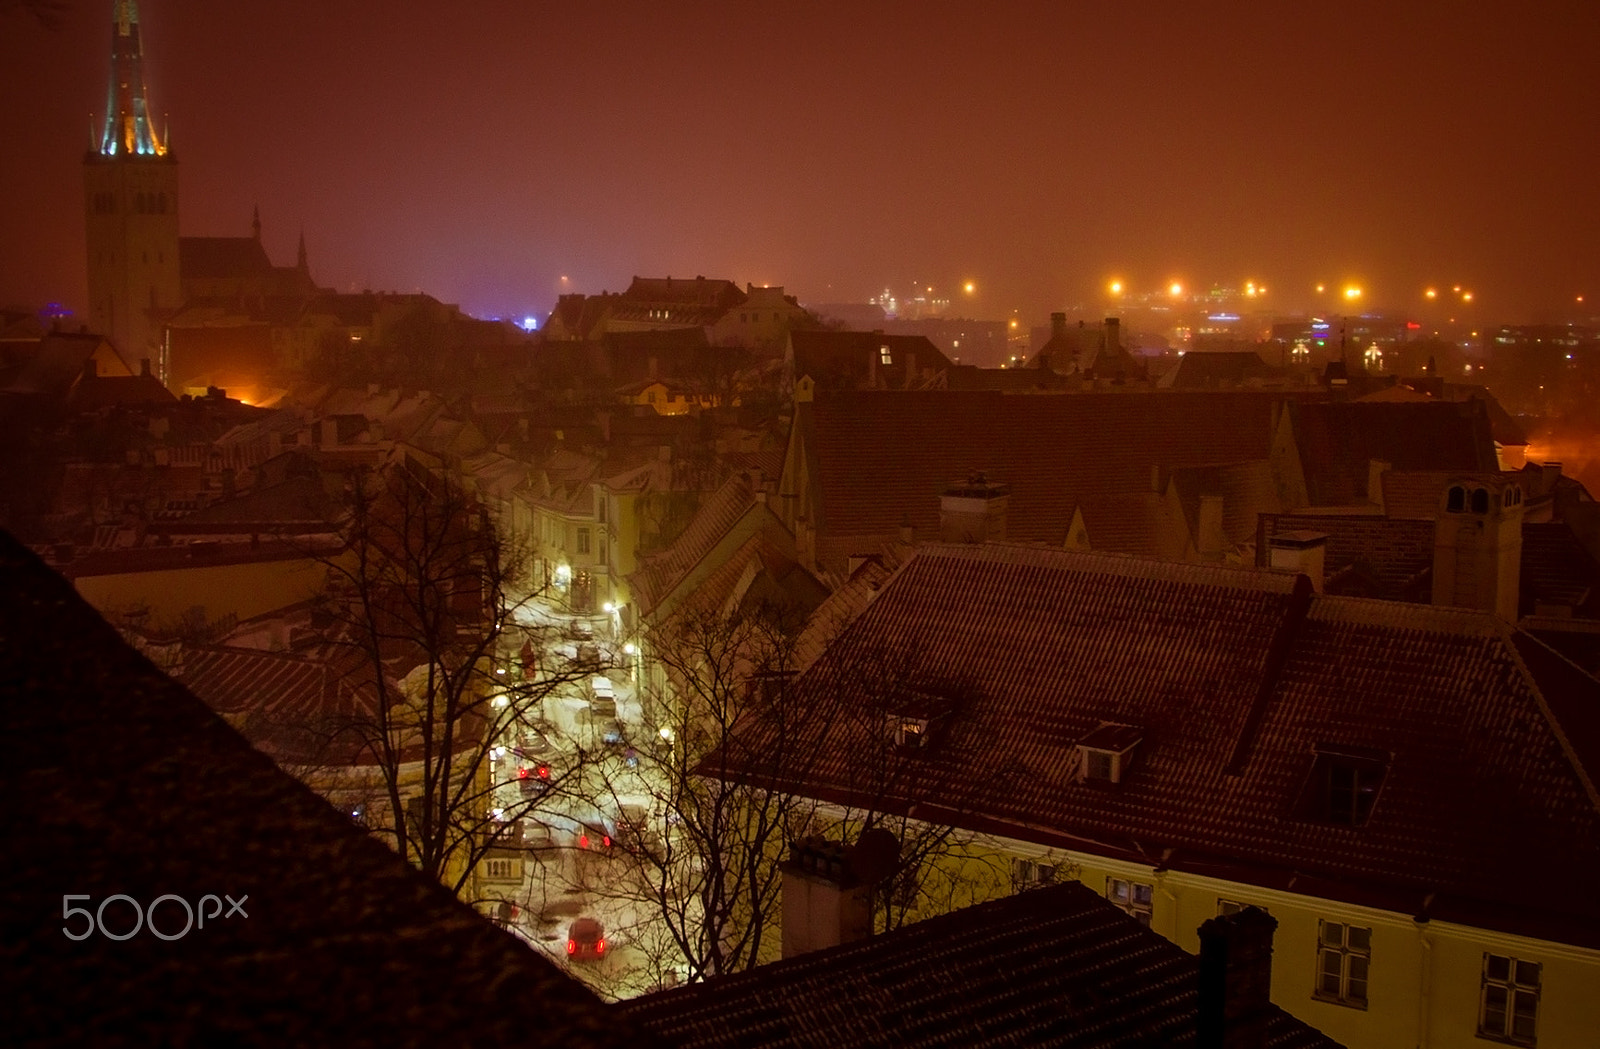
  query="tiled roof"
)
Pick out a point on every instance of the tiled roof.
point(1128, 523)
point(1210, 369)
point(1055, 966)
point(1414, 494)
point(660, 573)
point(1236, 676)
point(1389, 557)
point(715, 293)
point(296, 709)
point(882, 457)
point(135, 787)
point(827, 356)
point(1337, 440)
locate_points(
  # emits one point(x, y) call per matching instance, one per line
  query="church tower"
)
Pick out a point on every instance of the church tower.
point(130, 186)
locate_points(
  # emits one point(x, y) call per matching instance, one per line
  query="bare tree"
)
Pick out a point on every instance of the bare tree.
point(697, 848)
point(421, 592)
point(703, 828)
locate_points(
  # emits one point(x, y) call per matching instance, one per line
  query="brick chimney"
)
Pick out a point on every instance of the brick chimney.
point(827, 890)
point(974, 511)
point(1235, 980)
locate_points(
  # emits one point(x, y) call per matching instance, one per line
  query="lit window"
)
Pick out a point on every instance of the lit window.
point(884, 356)
point(1135, 897)
point(1509, 1009)
point(1344, 954)
point(911, 733)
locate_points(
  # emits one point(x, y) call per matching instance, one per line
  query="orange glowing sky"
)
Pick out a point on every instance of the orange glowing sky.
point(481, 151)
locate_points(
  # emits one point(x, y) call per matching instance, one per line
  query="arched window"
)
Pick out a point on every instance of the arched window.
point(1456, 501)
point(1480, 500)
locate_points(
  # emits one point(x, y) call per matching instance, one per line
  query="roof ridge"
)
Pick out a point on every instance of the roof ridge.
point(1579, 767)
point(1129, 566)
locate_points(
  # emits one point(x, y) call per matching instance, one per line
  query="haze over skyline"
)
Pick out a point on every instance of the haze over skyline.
point(1037, 150)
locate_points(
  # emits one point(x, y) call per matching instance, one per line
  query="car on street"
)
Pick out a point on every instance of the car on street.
point(534, 745)
point(586, 940)
point(533, 778)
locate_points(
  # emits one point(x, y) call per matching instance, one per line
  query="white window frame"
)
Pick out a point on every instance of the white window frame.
point(1518, 984)
point(1125, 895)
point(1347, 959)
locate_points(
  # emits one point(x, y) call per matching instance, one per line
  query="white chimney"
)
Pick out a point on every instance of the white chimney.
point(1301, 551)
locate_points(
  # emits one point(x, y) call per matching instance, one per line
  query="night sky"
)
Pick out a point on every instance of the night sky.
point(481, 151)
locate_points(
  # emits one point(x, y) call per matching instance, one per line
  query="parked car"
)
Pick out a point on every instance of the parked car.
point(534, 745)
point(586, 940)
point(611, 732)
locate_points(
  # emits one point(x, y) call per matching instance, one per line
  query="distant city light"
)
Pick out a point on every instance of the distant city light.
point(1320, 289)
point(1466, 296)
point(1352, 292)
point(1431, 293)
point(970, 287)
point(1175, 289)
point(1116, 287)
point(530, 323)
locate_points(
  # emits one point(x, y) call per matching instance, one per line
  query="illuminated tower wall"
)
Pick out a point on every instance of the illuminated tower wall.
point(130, 186)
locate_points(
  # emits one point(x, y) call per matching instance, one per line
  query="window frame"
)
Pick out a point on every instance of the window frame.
point(1128, 902)
point(1513, 987)
point(1347, 955)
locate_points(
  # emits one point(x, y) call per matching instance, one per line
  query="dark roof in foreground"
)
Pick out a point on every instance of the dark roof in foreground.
point(118, 781)
point(1056, 966)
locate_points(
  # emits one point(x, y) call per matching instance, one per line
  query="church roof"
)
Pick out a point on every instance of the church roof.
point(222, 258)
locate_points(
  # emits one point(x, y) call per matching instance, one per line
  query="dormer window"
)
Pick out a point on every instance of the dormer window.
point(1344, 785)
point(1105, 753)
point(911, 733)
point(884, 356)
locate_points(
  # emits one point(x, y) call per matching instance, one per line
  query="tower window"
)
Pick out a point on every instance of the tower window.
point(1480, 501)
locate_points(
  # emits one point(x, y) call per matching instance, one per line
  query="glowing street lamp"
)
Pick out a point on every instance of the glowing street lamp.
point(1175, 289)
point(969, 287)
point(1352, 293)
point(1116, 287)
point(1431, 293)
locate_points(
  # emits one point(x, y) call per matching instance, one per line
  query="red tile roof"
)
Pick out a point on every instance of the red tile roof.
point(1337, 440)
point(881, 457)
point(1236, 676)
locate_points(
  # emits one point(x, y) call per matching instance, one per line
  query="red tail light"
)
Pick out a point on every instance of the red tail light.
point(544, 771)
point(606, 841)
point(583, 842)
point(572, 946)
point(522, 773)
point(600, 946)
